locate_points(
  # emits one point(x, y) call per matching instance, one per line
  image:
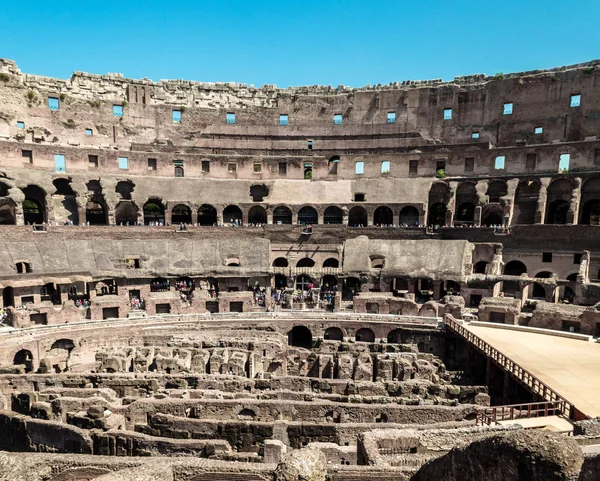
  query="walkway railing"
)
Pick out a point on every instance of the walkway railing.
point(521, 374)
point(495, 414)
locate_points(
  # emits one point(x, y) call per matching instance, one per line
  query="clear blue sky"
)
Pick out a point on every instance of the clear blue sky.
point(351, 42)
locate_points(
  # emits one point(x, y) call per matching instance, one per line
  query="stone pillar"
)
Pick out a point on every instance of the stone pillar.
point(111, 214)
point(477, 217)
point(194, 209)
point(451, 207)
point(220, 215)
point(294, 217)
point(168, 212)
point(572, 214)
point(540, 213)
point(437, 290)
point(509, 201)
point(269, 217)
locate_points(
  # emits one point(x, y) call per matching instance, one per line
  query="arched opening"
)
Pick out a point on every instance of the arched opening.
point(307, 215)
point(526, 200)
point(480, 267)
point(331, 262)
point(409, 216)
point(465, 213)
point(350, 288)
point(232, 261)
point(515, 268)
point(124, 189)
point(282, 215)
point(451, 288)
point(333, 334)
point(300, 336)
point(232, 215)
point(492, 215)
point(181, 214)
point(333, 165)
point(329, 281)
point(246, 415)
point(365, 334)
point(557, 212)
point(377, 262)
point(24, 357)
point(258, 192)
point(590, 213)
point(7, 212)
point(95, 213)
point(496, 190)
point(33, 212)
point(49, 292)
point(64, 344)
point(257, 215)
point(383, 216)
point(437, 215)
point(538, 291)
point(423, 290)
point(357, 217)
point(333, 215)
point(8, 297)
point(280, 281)
point(154, 212)
point(303, 283)
point(280, 262)
point(207, 215)
point(126, 213)
point(305, 262)
point(63, 187)
point(3, 189)
point(394, 336)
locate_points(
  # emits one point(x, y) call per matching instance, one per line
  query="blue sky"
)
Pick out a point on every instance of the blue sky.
point(298, 42)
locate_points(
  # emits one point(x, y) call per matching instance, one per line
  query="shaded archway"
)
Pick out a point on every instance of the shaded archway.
point(280, 281)
point(357, 217)
point(480, 267)
point(439, 195)
point(126, 213)
point(124, 189)
point(409, 216)
point(305, 262)
point(364, 334)
point(465, 213)
point(8, 297)
point(557, 201)
point(333, 334)
point(466, 199)
point(257, 215)
point(207, 215)
point(437, 214)
point(492, 214)
point(526, 201)
point(350, 287)
point(232, 215)
point(34, 205)
point(300, 336)
point(333, 215)
point(496, 190)
point(303, 282)
point(181, 214)
point(557, 212)
point(154, 212)
point(282, 215)
point(280, 262)
point(331, 262)
point(307, 215)
point(590, 202)
point(515, 268)
point(538, 291)
point(95, 213)
point(24, 357)
point(590, 213)
point(7, 212)
point(383, 216)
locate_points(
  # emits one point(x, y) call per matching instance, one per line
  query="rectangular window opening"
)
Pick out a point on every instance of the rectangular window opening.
point(596, 156)
point(413, 166)
point(359, 197)
point(176, 116)
point(499, 163)
point(563, 163)
point(151, 164)
point(391, 117)
point(257, 168)
point(123, 163)
point(232, 167)
point(310, 145)
point(447, 114)
point(20, 125)
point(53, 103)
point(538, 130)
point(59, 163)
point(27, 155)
point(178, 165)
point(546, 256)
point(230, 118)
point(282, 168)
point(93, 161)
point(440, 165)
point(575, 100)
point(88, 132)
point(308, 171)
point(469, 164)
point(359, 168)
point(385, 167)
point(577, 258)
point(508, 109)
point(474, 135)
point(283, 119)
point(206, 166)
point(337, 119)
point(530, 161)
point(118, 110)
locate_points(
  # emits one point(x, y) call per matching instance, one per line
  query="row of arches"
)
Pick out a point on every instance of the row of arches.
point(306, 262)
point(301, 336)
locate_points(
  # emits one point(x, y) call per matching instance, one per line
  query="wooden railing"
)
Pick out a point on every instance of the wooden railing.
point(495, 414)
point(522, 375)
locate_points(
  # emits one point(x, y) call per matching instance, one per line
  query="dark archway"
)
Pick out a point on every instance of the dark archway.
point(350, 288)
point(333, 215)
point(8, 297)
point(409, 216)
point(280, 281)
point(124, 189)
point(126, 213)
point(24, 358)
point(258, 192)
point(364, 334)
point(526, 201)
point(7, 212)
point(207, 215)
point(515, 268)
point(95, 213)
point(590, 213)
point(557, 212)
point(3, 189)
point(308, 215)
point(492, 215)
point(383, 216)
point(33, 212)
point(331, 262)
point(437, 214)
point(181, 214)
point(480, 267)
point(232, 215)
point(305, 262)
point(333, 334)
point(465, 213)
point(154, 211)
point(282, 215)
point(280, 262)
point(257, 215)
point(63, 187)
point(357, 217)
point(496, 190)
point(300, 336)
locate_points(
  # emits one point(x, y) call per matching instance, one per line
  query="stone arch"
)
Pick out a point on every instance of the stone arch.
point(557, 212)
point(308, 215)
point(154, 211)
point(539, 290)
point(590, 202)
point(126, 213)
point(480, 267)
point(181, 214)
point(280, 262)
point(34, 205)
point(364, 334)
point(207, 215)
point(395, 336)
point(258, 192)
point(526, 201)
point(282, 215)
point(496, 190)
point(232, 214)
point(466, 192)
point(465, 213)
point(383, 216)
point(350, 287)
point(515, 268)
point(257, 215)
point(64, 344)
point(492, 214)
point(437, 214)
point(333, 334)
point(331, 262)
point(124, 189)
point(332, 165)
point(4, 188)
point(305, 262)
point(557, 201)
point(439, 193)
point(96, 212)
point(24, 357)
point(333, 215)
point(409, 216)
point(300, 336)
point(357, 217)
point(63, 186)
point(280, 281)
point(8, 215)
point(247, 415)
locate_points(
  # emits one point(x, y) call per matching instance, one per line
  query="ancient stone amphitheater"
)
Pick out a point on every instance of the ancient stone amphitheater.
point(215, 281)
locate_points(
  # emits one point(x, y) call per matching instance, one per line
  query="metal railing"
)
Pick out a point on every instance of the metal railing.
point(495, 414)
point(527, 379)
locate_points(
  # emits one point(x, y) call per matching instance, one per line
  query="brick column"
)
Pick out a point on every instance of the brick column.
point(572, 214)
point(451, 207)
point(540, 213)
point(81, 211)
point(509, 201)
